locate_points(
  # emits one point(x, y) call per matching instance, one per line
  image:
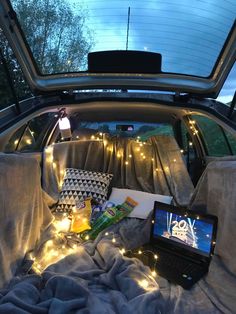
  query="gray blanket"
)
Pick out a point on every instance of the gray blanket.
point(97, 278)
point(24, 214)
point(163, 170)
point(215, 194)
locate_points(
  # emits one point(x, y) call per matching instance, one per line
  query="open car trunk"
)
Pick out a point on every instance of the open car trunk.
point(134, 123)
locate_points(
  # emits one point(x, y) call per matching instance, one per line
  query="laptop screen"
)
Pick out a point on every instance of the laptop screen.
point(190, 231)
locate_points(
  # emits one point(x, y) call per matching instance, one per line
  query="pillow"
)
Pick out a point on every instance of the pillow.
point(145, 201)
point(80, 184)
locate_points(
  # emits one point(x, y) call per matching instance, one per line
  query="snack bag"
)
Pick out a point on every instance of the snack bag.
point(110, 216)
point(107, 204)
point(96, 213)
point(81, 216)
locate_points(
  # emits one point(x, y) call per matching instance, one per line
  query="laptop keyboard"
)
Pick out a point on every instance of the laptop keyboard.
point(180, 266)
point(171, 264)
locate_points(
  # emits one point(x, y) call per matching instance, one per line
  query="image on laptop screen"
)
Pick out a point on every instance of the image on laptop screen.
point(194, 234)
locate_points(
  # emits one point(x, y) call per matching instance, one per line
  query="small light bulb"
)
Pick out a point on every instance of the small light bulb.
point(101, 134)
point(190, 144)
point(153, 221)
point(86, 237)
point(181, 151)
point(154, 273)
point(143, 283)
point(157, 169)
point(139, 252)
point(126, 163)
point(130, 156)
point(174, 160)
point(141, 154)
point(113, 240)
point(122, 251)
point(155, 256)
point(198, 217)
point(106, 233)
point(92, 137)
point(50, 159)
point(152, 159)
point(49, 243)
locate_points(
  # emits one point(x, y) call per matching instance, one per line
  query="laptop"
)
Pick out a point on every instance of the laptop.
point(181, 244)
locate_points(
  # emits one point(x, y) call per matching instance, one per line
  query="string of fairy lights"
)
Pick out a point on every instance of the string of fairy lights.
point(58, 248)
point(64, 243)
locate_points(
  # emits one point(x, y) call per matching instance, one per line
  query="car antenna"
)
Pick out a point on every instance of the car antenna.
point(127, 35)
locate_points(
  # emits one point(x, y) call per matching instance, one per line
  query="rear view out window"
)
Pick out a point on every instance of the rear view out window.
point(140, 130)
point(218, 142)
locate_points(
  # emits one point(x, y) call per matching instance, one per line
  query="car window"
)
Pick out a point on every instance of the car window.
point(13, 143)
point(232, 142)
point(30, 137)
point(187, 33)
point(227, 92)
point(142, 131)
point(213, 135)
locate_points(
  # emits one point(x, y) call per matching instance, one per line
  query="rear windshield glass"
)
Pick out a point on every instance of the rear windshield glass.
point(140, 130)
point(188, 34)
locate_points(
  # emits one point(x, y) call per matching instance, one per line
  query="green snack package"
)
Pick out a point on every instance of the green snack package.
point(110, 216)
